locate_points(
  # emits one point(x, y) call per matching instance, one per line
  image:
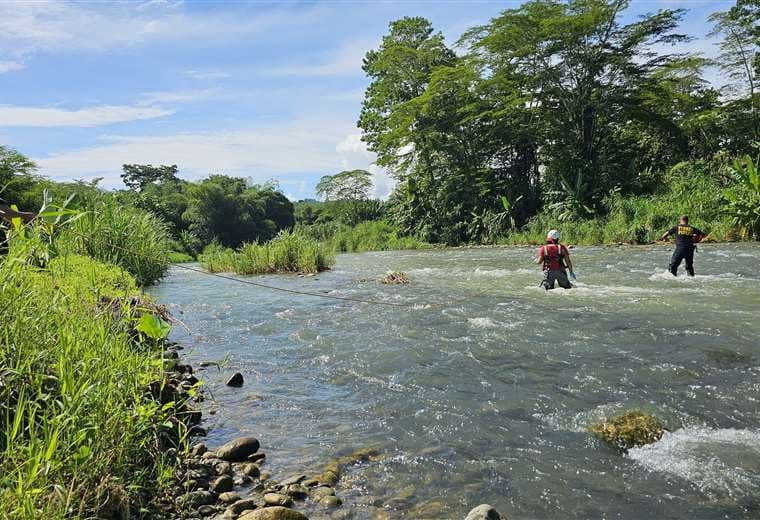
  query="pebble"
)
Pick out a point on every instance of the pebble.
point(297, 491)
point(310, 482)
point(206, 510)
point(256, 457)
point(200, 498)
point(295, 479)
point(250, 469)
point(242, 505)
point(276, 499)
point(223, 484)
point(223, 468)
point(236, 380)
point(229, 497)
point(198, 450)
point(322, 492)
point(265, 475)
point(330, 501)
point(239, 449)
point(484, 512)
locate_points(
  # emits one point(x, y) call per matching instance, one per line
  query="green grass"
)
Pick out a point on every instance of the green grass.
point(371, 235)
point(120, 235)
point(288, 252)
point(76, 426)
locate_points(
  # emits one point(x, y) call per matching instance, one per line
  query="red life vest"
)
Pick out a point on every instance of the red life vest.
point(552, 255)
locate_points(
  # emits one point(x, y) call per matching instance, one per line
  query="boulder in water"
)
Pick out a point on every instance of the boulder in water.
point(236, 380)
point(484, 512)
point(239, 449)
point(629, 430)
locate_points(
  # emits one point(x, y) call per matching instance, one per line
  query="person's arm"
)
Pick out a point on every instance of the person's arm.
point(668, 233)
point(540, 256)
point(568, 262)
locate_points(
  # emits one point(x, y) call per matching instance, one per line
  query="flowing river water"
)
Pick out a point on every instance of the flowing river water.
point(484, 391)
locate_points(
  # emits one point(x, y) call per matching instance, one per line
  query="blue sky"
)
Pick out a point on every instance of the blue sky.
point(255, 89)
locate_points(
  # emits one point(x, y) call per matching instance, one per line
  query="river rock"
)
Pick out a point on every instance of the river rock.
point(330, 501)
point(228, 497)
point(239, 449)
point(274, 513)
point(198, 450)
point(310, 482)
point(223, 468)
point(257, 457)
point(250, 469)
point(265, 475)
point(322, 492)
point(223, 484)
point(242, 480)
point(484, 512)
point(296, 491)
point(277, 499)
point(241, 505)
point(295, 479)
point(209, 455)
point(206, 510)
point(200, 498)
point(236, 380)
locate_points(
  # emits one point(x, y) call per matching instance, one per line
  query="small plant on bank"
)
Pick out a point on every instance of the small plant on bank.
point(629, 430)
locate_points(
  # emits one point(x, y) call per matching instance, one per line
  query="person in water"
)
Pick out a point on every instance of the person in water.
point(686, 239)
point(556, 262)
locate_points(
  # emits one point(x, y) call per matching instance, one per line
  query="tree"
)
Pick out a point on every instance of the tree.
point(138, 176)
point(349, 185)
point(739, 57)
point(18, 174)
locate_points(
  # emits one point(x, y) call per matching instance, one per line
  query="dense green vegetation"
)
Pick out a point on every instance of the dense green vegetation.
point(79, 435)
point(287, 252)
point(553, 109)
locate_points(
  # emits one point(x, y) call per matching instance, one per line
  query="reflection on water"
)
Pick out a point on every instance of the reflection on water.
point(487, 399)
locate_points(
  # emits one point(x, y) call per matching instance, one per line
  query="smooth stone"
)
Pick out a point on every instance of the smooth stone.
point(297, 491)
point(295, 479)
point(277, 499)
point(330, 501)
point(242, 480)
point(206, 510)
point(236, 380)
point(310, 482)
point(198, 450)
point(242, 505)
point(322, 492)
point(239, 449)
point(329, 477)
point(223, 484)
point(209, 455)
point(274, 513)
point(484, 512)
point(250, 469)
point(223, 468)
point(201, 497)
point(256, 457)
point(229, 497)
point(265, 475)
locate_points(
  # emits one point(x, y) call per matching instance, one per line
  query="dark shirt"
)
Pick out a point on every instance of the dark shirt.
point(684, 235)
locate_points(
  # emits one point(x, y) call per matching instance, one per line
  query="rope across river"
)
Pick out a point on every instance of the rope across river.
point(277, 288)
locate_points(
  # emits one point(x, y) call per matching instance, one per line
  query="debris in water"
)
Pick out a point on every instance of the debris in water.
point(396, 277)
point(630, 430)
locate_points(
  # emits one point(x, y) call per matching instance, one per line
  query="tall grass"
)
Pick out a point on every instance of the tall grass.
point(287, 252)
point(78, 436)
point(121, 235)
point(371, 235)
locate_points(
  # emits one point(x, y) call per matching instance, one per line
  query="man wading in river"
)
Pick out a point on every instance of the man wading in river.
point(686, 239)
point(556, 262)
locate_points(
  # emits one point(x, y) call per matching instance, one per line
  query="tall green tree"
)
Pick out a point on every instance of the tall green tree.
point(138, 176)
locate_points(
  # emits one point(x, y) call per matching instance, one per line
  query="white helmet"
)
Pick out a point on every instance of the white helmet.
point(553, 235)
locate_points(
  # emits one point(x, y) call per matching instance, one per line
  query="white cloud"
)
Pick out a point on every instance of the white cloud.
point(345, 61)
point(354, 154)
point(181, 96)
point(10, 66)
point(57, 26)
point(84, 117)
point(288, 151)
point(208, 74)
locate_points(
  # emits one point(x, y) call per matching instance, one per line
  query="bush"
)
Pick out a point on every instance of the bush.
point(288, 252)
point(75, 418)
point(122, 235)
point(376, 235)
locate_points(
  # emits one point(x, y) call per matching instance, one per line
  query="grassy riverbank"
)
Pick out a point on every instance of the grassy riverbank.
point(81, 436)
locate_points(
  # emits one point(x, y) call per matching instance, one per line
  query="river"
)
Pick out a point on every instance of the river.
point(483, 391)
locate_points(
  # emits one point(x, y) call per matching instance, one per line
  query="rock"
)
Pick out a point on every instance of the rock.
point(241, 480)
point(222, 484)
point(249, 469)
point(310, 482)
point(223, 468)
point(329, 477)
point(239, 449)
point(274, 513)
point(206, 510)
point(295, 479)
point(236, 380)
point(484, 512)
point(256, 457)
point(200, 498)
point(629, 430)
point(265, 475)
point(296, 491)
point(322, 492)
point(277, 499)
point(330, 501)
point(198, 450)
point(228, 497)
point(209, 455)
point(242, 505)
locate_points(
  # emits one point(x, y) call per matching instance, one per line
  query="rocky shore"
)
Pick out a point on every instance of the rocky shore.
point(232, 481)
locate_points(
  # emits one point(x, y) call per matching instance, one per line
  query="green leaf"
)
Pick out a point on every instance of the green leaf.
point(153, 326)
